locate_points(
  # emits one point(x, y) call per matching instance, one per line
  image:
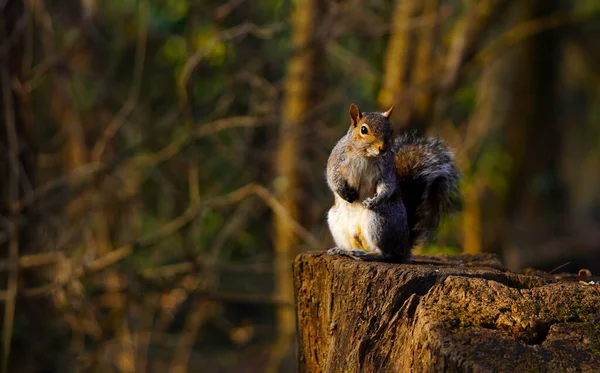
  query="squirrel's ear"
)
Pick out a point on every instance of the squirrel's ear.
point(355, 114)
point(389, 112)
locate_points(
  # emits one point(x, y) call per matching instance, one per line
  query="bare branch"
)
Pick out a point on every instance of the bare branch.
point(229, 34)
point(134, 93)
point(29, 261)
point(85, 173)
point(191, 213)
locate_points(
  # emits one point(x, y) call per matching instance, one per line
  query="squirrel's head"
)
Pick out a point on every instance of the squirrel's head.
point(371, 132)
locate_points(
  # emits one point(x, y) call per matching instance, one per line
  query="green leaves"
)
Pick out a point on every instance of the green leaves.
point(586, 7)
point(176, 9)
point(494, 165)
point(206, 45)
point(174, 50)
point(208, 42)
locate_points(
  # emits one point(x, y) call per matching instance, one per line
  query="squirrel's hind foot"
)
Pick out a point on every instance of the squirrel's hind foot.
point(368, 256)
point(338, 251)
point(358, 254)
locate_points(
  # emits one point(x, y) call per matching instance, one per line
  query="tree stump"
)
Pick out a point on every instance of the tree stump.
point(442, 314)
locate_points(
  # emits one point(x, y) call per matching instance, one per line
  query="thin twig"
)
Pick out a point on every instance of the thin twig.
point(244, 298)
point(191, 213)
point(559, 267)
point(39, 260)
point(194, 321)
point(272, 202)
point(227, 35)
point(9, 41)
point(224, 10)
point(235, 222)
point(521, 32)
point(205, 130)
point(85, 173)
point(78, 175)
point(134, 93)
point(34, 260)
point(178, 223)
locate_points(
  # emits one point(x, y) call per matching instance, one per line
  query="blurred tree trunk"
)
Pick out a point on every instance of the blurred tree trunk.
point(17, 179)
point(546, 133)
point(486, 119)
point(96, 239)
point(11, 174)
point(582, 156)
point(533, 136)
point(87, 210)
point(397, 61)
point(296, 105)
point(17, 168)
point(424, 64)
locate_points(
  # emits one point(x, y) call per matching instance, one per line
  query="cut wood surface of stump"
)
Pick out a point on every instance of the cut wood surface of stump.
point(465, 313)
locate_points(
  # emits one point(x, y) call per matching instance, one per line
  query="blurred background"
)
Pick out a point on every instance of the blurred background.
point(162, 161)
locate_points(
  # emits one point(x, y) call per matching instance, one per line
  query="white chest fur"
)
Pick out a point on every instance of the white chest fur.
point(351, 225)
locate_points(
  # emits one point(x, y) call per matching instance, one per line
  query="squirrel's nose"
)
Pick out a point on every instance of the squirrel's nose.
point(382, 149)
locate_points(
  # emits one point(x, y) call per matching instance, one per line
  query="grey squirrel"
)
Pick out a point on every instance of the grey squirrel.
point(389, 192)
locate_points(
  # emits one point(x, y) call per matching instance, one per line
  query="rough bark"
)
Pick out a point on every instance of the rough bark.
point(446, 314)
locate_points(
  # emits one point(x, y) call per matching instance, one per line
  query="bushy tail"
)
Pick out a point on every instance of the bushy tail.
point(428, 180)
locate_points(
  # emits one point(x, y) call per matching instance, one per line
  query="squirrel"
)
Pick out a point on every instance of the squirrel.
point(389, 192)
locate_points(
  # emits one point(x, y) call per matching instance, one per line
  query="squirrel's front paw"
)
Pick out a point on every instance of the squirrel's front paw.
point(371, 203)
point(353, 195)
point(349, 195)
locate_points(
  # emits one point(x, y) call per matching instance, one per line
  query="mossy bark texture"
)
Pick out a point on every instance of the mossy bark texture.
point(441, 314)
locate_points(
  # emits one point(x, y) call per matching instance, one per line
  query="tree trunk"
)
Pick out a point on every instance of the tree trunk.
point(533, 138)
point(18, 171)
point(424, 65)
point(397, 60)
point(444, 314)
point(295, 106)
point(11, 137)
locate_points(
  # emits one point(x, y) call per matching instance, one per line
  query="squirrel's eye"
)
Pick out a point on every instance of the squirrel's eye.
point(364, 130)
